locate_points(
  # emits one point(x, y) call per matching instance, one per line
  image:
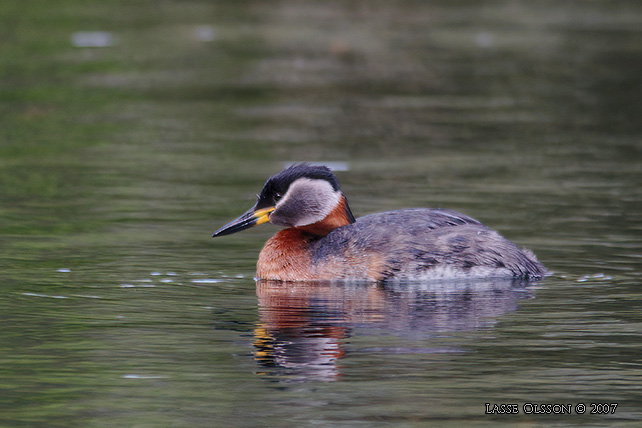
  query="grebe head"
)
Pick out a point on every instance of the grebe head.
point(300, 195)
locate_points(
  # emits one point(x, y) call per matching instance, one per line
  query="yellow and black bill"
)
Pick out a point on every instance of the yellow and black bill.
point(252, 217)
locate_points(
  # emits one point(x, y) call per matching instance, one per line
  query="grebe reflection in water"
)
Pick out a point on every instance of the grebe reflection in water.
point(305, 328)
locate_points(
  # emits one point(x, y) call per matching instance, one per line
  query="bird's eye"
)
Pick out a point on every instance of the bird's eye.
point(277, 197)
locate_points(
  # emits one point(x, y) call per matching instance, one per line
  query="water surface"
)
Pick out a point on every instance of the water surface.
point(118, 160)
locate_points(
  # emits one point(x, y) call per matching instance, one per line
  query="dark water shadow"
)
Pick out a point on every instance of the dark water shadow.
point(304, 327)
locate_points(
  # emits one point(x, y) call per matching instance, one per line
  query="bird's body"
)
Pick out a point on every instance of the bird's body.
point(323, 240)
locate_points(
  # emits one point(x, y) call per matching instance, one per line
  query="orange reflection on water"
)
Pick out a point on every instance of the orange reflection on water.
point(304, 327)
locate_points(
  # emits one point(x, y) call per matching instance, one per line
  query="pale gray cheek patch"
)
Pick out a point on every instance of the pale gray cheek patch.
point(287, 215)
point(306, 202)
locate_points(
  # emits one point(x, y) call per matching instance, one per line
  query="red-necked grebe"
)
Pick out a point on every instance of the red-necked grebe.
point(322, 240)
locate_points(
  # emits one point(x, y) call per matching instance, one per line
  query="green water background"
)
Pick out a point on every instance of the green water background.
point(118, 162)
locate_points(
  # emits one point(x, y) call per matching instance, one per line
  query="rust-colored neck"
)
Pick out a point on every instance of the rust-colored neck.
point(286, 256)
point(339, 216)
